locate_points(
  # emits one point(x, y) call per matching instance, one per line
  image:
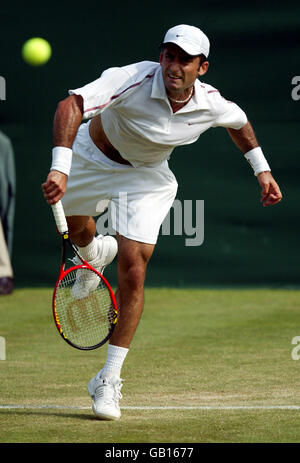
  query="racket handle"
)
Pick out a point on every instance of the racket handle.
point(60, 218)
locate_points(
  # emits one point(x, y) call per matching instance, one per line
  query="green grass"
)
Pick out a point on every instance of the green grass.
point(193, 347)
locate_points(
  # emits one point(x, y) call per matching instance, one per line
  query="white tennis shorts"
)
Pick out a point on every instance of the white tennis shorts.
point(139, 198)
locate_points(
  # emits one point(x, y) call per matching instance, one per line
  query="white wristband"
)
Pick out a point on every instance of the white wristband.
point(257, 160)
point(61, 159)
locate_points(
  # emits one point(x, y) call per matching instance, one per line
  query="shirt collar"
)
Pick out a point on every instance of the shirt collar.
point(197, 102)
point(158, 87)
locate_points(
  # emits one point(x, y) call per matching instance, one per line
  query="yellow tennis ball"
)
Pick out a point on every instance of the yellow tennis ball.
point(36, 51)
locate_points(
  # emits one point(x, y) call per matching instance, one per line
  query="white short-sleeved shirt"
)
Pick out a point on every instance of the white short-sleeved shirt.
point(138, 119)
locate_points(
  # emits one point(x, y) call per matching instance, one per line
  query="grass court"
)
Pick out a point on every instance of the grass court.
point(206, 365)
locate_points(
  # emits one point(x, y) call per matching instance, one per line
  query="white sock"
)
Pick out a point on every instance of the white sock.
point(114, 361)
point(89, 252)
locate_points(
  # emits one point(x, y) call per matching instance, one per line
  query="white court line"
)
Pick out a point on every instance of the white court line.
point(195, 407)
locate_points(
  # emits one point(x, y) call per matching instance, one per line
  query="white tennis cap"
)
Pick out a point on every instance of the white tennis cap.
point(191, 39)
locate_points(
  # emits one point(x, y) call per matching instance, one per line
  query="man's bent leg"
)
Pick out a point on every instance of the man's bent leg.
point(82, 229)
point(99, 252)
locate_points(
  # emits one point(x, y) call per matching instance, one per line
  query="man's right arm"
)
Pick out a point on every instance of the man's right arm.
point(67, 119)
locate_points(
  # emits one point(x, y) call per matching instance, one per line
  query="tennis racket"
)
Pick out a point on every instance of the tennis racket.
point(85, 322)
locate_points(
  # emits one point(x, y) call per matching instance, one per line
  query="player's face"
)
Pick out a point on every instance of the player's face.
point(179, 69)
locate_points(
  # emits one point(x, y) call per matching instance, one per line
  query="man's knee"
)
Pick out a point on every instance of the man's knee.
point(82, 229)
point(135, 275)
point(132, 270)
point(133, 258)
point(78, 223)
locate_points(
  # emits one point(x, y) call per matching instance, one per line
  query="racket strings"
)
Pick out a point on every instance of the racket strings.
point(85, 320)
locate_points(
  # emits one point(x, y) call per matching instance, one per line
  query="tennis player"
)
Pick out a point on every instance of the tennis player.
point(137, 115)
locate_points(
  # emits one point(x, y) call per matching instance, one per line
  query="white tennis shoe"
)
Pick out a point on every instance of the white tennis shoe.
point(106, 394)
point(86, 282)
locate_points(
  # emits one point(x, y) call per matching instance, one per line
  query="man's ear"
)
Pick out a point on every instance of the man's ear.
point(203, 68)
point(160, 57)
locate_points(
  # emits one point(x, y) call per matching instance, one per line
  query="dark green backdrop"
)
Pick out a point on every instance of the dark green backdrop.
point(254, 56)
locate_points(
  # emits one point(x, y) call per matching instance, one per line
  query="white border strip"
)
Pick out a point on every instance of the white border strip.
point(196, 407)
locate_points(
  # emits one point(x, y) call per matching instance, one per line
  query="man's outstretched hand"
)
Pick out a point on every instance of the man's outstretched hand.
point(270, 191)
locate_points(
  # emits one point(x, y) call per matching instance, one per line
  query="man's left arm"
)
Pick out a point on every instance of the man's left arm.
point(246, 141)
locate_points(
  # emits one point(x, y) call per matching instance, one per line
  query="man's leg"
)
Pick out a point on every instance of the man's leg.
point(82, 229)
point(133, 257)
point(105, 387)
point(99, 252)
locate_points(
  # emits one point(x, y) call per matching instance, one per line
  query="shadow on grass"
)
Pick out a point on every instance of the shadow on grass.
point(78, 416)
